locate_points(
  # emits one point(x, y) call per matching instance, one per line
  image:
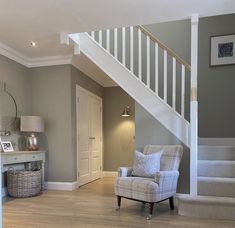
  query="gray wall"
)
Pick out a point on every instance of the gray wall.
point(54, 98)
point(18, 84)
point(215, 88)
point(215, 84)
point(150, 131)
point(119, 143)
point(51, 100)
point(175, 35)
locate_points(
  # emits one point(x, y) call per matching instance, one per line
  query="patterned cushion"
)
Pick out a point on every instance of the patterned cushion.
point(171, 156)
point(146, 165)
point(148, 189)
point(140, 188)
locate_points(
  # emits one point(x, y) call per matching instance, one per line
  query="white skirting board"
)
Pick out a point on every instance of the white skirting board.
point(110, 174)
point(70, 186)
point(63, 186)
point(66, 186)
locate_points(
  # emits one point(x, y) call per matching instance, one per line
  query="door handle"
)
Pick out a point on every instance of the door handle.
point(91, 137)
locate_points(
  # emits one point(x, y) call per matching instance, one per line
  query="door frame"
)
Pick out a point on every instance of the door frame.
point(77, 128)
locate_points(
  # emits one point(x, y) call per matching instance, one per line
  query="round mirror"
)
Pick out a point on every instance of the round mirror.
point(8, 111)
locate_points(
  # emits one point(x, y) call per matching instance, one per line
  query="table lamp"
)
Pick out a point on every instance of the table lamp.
point(32, 125)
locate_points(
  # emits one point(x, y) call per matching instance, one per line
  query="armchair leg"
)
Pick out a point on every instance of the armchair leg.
point(171, 201)
point(151, 205)
point(119, 198)
point(143, 205)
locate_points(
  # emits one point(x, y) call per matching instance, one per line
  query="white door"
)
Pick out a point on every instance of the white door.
point(89, 136)
point(95, 138)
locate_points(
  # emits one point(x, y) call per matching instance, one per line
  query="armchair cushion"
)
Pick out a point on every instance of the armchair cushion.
point(163, 186)
point(146, 165)
point(140, 188)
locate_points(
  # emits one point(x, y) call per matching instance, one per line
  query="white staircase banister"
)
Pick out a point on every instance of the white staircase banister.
point(164, 47)
point(194, 106)
point(119, 47)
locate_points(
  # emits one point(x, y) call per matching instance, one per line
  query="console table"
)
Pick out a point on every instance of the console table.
point(19, 157)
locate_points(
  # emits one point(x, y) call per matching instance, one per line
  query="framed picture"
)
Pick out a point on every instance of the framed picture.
point(7, 146)
point(222, 50)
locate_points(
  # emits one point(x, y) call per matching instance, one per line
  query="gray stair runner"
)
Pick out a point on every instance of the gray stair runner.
point(216, 171)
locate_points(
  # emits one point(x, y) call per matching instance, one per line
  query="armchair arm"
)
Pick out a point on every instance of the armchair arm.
point(167, 181)
point(124, 171)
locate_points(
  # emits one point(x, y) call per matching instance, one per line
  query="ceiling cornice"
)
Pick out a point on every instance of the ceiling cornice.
point(13, 54)
point(50, 61)
point(46, 61)
point(34, 62)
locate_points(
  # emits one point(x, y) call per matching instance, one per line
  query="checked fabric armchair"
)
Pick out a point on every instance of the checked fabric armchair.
point(152, 190)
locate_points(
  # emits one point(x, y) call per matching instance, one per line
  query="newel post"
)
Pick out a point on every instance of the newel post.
point(194, 106)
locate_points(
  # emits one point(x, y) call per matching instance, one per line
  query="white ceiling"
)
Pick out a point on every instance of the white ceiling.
point(42, 21)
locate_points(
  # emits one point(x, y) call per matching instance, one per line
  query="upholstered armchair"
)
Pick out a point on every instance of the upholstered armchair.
point(156, 189)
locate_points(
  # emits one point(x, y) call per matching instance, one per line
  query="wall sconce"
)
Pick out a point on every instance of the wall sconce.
point(126, 112)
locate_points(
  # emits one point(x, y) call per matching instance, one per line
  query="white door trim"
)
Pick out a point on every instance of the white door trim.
point(77, 128)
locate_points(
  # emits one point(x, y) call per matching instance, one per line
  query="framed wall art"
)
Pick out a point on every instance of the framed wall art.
point(7, 146)
point(222, 50)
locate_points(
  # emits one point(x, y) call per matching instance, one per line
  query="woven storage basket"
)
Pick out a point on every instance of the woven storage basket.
point(23, 183)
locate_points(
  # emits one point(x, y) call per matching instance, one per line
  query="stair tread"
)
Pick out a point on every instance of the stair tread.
point(217, 161)
point(217, 146)
point(218, 179)
point(209, 199)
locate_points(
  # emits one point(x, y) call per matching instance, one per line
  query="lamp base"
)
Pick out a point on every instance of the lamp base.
point(32, 142)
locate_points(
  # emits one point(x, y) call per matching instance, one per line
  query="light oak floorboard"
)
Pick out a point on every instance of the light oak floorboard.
point(93, 205)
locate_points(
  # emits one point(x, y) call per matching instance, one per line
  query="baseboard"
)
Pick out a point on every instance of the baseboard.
point(217, 141)
point(110, 174)
point(70, 186)
point(63, 186)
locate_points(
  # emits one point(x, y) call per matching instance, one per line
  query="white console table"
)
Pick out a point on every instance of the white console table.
point(18, 157)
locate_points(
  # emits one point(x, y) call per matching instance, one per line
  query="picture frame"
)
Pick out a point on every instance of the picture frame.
point(7, 146)
point(222, 50)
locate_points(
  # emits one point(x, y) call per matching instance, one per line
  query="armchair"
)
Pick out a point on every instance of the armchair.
point(151, 190)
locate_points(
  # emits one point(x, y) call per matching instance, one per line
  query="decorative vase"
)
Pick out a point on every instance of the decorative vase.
point(32, 142)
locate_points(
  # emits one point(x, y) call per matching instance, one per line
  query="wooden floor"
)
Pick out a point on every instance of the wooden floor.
point(93, 205)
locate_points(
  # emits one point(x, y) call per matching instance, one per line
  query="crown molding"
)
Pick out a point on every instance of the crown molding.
point(34, 62)
point(50, 61)
point(13, 54)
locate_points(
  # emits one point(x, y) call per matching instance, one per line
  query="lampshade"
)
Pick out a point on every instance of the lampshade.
point(126, 111)
point(31, 124)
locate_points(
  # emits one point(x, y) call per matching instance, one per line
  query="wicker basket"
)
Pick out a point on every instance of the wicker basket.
point(23, 183)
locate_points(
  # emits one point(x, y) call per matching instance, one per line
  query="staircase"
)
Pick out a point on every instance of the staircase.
point(131, 57)
point(216, 185)
point(138, 61)
point(216, 171)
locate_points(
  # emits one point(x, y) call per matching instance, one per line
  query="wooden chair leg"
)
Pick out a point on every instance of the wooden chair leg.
point(143, 205)
point(151, 205)
point(171, 201)
point(119, 198)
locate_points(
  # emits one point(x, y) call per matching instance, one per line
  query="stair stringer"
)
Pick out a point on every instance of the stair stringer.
point(150, 101)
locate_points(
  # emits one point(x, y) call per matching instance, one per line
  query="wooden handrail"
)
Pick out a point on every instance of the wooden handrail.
point(164, 47)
